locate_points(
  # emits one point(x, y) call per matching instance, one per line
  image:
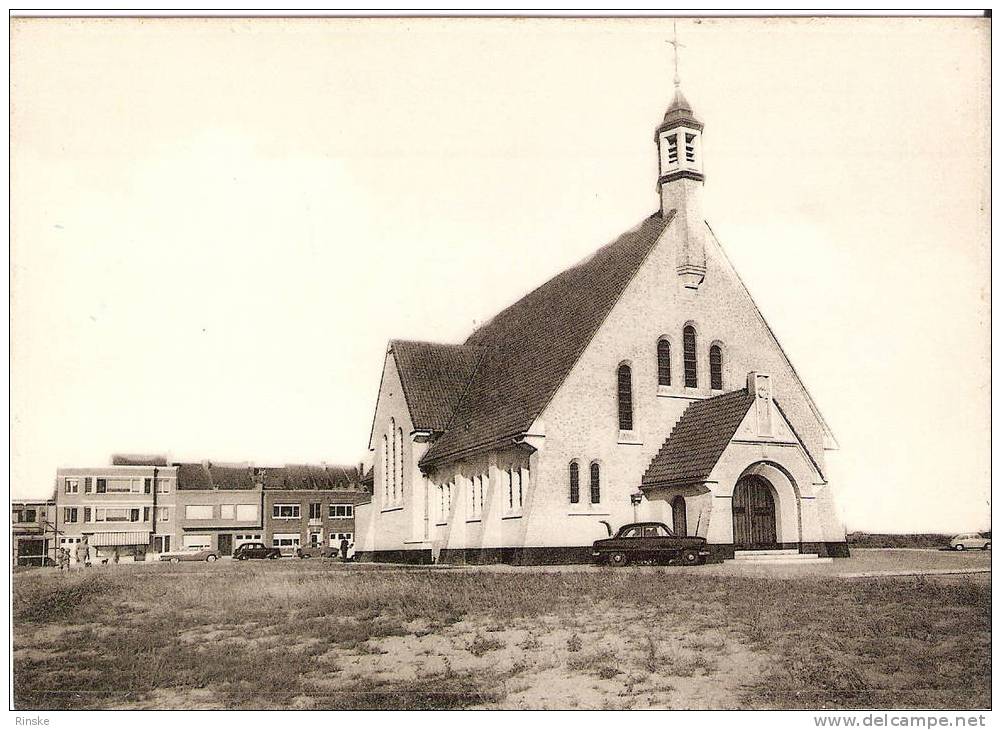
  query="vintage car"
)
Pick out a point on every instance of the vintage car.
point(256, 551)
point(971, 541)
point(649, 542)
point(191, 554)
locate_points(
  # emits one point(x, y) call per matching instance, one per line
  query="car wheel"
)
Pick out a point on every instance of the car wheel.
point(210, 558)
point(960, 547)
point(175, 560)
point(689, 557)
point(241, 557)
point(273, 557)
point(618, 559)
point(987, 546)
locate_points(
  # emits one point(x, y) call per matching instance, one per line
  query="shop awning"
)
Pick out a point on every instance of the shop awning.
point(102, 539)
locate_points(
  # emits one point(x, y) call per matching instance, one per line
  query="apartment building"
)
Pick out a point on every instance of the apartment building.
point(33, 532)
point(124, 510)
point(311, 506)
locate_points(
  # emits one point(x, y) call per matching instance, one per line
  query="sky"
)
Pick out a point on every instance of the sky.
point(217, 225)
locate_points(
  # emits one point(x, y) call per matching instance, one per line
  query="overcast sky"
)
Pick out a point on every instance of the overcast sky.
point(218, 224)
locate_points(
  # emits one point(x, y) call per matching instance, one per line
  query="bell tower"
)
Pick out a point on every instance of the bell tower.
point(680, 179)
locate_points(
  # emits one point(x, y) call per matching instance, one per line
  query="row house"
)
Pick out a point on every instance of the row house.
point(311, 506)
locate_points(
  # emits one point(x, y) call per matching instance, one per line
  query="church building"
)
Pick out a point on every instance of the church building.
point(640, 384)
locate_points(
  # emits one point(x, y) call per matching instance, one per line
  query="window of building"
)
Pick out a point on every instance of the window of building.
point(119, 485)
point(385, 468)
point(392, 427)
point(102, 485)
point(595, 483)
point(163, 514)
point(146, 514)
point(88, 516)
point(197, 542)
point(30, 515)
point(162, 486)
point(716, 367)
point(16, 515)
point(285, 540)
point(691, 369)
point(70, 514)
point(625, 382)
point(161, 543)
point(574, 483)
point(690, 147)
point(147, 485)
point(663, 362)
point(341, 510)
point(314, 510)
point(72, 486)
point(88, 485)
point(400, 434)
point(672, 149)
point(134, 514)
point(285, 512)
point(519, 495)
point(198, 512)
point(246, 512)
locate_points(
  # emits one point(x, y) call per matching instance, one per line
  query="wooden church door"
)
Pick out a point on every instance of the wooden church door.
point(679, 514)
point(753, 514)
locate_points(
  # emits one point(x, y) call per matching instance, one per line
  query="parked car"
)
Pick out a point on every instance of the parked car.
point(971, 541)
point(256, 551)
point(649, 542)
point(191, 554)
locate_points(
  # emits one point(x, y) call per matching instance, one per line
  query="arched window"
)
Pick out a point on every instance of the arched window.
point(400, 433)
point(691, 371)
point(716, 367)
point(663, 362)
point(392, 428)
point(385, 467)
point(595, 483)
point(625, 398)
point(574, 483)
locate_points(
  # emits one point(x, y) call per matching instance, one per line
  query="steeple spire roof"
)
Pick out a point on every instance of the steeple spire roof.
point(680, 110)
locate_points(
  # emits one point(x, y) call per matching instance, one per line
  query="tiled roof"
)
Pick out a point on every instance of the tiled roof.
point(193, 476)
point(530, 347)
point(138, 460)
point(698, 439)
point(434, 376)
point(309, 476)
point(231, 477)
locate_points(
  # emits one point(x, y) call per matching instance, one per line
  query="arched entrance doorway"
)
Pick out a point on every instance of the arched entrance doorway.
point(680, 514)
point(753, 514)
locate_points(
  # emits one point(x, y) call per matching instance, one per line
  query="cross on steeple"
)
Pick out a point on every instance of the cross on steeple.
point(676, 44)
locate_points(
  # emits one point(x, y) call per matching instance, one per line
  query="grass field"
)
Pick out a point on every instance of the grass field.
point(321, 635)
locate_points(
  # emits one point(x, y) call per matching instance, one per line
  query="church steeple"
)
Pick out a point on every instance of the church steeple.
point(679, 147)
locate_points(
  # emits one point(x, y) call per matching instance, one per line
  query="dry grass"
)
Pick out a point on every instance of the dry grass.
point(324, 636)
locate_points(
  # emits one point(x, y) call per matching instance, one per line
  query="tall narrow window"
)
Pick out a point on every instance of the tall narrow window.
point(595, 483)
point(663, 362)
point(400, 433)
point(574, 483)
point(691, 371)
point(392, 428)
point(385, 467)
point(716, 367)
point(625, 377)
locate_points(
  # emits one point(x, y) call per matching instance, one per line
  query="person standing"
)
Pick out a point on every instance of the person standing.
point(344, 549)
point(81, 554)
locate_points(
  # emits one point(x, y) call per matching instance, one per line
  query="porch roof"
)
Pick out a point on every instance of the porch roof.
point(108, 539)
point(698, 440)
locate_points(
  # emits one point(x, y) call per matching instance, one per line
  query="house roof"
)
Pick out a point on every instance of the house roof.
point(193, 476)
point(527, 351)
point(698, 439)
point(434, 377)
point(311, 476)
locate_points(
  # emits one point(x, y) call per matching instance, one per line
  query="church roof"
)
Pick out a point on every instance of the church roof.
point(698, 439)
point(527, 351)
point(434, 376)
point(680, 111)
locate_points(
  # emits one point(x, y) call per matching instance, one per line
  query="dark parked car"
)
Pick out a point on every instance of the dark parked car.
point(316, 552)
point(256, 551)
point(649, 542)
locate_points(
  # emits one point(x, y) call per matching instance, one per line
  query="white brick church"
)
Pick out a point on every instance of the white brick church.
point(640, 384)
